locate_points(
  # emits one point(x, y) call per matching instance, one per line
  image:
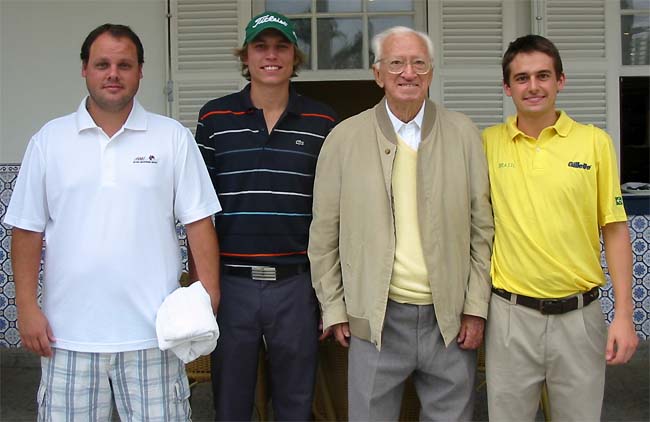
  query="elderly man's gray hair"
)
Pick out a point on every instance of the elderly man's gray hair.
point(378, 40)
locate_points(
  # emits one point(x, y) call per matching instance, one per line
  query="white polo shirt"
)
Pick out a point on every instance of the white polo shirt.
point(108, 208)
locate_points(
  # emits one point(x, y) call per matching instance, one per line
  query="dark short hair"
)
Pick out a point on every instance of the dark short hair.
point(530, 44)
point(115, 30)
point(242, 54)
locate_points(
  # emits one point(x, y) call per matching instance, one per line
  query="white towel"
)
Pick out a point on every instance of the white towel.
point(185, 323)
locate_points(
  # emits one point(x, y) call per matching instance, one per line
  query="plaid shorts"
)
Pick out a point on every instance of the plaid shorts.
point(148, 385)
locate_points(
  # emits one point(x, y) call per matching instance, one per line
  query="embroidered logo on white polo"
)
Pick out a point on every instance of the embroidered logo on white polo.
point(145, 159)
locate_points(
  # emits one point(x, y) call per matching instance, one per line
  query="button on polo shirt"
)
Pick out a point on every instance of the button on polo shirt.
point(536, 151)
point(108, 160)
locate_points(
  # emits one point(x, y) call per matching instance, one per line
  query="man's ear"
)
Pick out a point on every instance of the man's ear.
point(375, 72)
point(560, 82)
point(506, 88)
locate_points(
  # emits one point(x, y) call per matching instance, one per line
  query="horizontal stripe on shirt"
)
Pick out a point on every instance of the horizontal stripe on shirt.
point(264, 192)
point(227, 173)
point(223, 132)
point(300, 133)
point(251, 255)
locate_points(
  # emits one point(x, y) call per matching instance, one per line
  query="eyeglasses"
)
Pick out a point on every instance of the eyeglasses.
point(397, 65)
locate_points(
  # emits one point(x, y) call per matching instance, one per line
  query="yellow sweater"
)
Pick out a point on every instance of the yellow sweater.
point(409, 282)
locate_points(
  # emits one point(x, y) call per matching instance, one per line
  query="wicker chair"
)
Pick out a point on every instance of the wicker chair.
point(198, 371)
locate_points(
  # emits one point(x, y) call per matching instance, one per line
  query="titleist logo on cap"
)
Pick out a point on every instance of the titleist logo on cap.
point(268, 18)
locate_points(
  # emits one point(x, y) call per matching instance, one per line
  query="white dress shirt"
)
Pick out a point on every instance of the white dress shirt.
point(410, 132)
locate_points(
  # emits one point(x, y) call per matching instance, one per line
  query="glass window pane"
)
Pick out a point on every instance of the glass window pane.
point(390, 5)
point(288, 7)
point(339, 43)
point(303, 31)
point(635, 4)
point(332, 6)
point(635, 39)
point(376, 25)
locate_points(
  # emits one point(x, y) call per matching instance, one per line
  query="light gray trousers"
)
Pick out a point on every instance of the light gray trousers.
point(412, 344)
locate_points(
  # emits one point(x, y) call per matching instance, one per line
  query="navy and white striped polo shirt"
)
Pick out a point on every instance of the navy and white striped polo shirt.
point(264, 180)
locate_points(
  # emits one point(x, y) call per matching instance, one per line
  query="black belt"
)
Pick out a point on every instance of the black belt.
point(550, 306)
point(261, 272)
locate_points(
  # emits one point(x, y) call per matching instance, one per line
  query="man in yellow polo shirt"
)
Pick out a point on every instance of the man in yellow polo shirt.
point(555, 189)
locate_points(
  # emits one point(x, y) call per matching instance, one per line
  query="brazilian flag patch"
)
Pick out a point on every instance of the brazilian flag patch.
point(619, 200)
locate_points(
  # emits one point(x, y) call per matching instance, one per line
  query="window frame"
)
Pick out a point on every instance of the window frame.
point(628, 69)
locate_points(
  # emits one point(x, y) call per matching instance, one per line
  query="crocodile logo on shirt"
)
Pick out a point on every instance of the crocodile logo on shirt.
point(300, 142)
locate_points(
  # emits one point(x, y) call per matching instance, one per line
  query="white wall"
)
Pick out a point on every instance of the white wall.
point(40, 69)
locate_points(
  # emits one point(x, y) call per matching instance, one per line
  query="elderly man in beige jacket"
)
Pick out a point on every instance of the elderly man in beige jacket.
point(400, 241)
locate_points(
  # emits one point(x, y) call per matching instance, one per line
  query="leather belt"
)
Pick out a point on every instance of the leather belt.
point(551, 306)
point(264, 273)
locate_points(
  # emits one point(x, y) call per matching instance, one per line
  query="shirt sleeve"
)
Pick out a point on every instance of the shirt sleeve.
point(28, 206)
point(610, 199)
point(194, 197)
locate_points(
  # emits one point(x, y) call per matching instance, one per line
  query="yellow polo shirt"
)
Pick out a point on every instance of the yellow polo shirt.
point(550, 196)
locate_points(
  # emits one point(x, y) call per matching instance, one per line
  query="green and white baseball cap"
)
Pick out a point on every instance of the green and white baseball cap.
point(270, 20)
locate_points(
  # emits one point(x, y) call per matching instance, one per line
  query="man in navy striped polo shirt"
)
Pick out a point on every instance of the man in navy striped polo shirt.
point(260, 146)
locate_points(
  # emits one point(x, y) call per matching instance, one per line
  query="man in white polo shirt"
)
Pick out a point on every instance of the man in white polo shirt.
point(104, 186)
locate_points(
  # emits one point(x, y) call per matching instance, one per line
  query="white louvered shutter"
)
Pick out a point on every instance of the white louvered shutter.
point(203, 34)
point(577, 28)
point(470, 38)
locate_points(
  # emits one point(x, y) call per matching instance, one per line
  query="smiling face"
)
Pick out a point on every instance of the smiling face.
point(270, 59)
point(112, 73)
point(407, 89)
point(534, 85)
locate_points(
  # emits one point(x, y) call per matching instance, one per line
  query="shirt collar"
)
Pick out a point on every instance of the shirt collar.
point(137, 119)
point(397, 123)
point(293, 107)
point(562, 126)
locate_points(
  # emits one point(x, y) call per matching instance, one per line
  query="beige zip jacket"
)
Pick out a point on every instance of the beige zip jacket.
point(352, 235)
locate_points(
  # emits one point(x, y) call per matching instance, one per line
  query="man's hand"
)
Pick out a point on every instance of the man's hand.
point(324, 333)
point(470, 336)
point(341, 333)
point(35, 332)
point(621, 341)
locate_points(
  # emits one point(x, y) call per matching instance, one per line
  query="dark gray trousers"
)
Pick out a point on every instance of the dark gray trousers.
point(286, 313)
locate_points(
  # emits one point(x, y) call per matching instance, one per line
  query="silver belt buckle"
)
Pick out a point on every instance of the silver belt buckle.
point(263, 273)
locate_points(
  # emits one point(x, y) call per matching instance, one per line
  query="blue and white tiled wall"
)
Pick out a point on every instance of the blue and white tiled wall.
point(639, 232)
